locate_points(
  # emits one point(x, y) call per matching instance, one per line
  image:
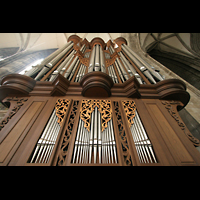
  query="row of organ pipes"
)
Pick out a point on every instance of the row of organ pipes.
point(121, 65)
point(95, 146)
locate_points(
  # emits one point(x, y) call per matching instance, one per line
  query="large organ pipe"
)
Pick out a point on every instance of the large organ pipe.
point(97, 58)
point(119, 72)
point(37, 68)
point(91, 63)
point(139, 64)
point(103, 69)
point(48, 66)
point(72, 68)
point(153, 71)
point(73, 71)
point(131, 68)
point(65, 63)
point(122, 69)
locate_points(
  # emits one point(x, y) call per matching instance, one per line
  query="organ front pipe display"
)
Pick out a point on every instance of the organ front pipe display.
point(95, 104)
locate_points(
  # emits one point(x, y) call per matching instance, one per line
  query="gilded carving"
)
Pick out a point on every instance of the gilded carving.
point(61, 109)
point(88, 106)
point(169, 105)
point(129, 108)
point(66, 138)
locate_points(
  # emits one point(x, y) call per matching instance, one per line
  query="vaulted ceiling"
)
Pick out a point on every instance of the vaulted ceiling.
point(187, 44)
point(22, 42)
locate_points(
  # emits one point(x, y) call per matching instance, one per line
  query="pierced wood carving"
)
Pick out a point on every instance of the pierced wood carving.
point(171, 107)
point(19, 103)
point(129, 108)
point(88, 106)
point(61, 109)
point(123, 137)
point(67, 135)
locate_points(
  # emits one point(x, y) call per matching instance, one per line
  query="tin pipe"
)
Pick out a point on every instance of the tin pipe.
point(139, 64)
point(119, 72)
point(122, 69)
point(47, 141)
point(76, 141)
point(91, 63)
point(115, 76)
point(102, 61)
point(48, 66)
point(152, 70)
point(99, 136)
point(113, 140)
point(44, 138)
point(97, 58)
point(73, 71)
point(95, 134)
point(70, 67)
point(91, 136)
point(110, 142)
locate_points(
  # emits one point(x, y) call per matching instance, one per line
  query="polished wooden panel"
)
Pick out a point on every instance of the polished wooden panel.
point(17, 130)
point(170, 135)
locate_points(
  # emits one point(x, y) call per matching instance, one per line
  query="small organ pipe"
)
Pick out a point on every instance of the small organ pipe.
point(95, 134)
point(91, 137)
point(76, 142)
point(99, 136)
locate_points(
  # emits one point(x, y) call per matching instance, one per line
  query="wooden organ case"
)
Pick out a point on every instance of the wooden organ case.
point(90, 103)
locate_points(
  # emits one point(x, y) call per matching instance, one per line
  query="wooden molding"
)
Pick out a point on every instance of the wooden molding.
point(97, 40)
point(96, 84)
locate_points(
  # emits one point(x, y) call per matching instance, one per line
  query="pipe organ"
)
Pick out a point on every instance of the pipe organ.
point(92, 104)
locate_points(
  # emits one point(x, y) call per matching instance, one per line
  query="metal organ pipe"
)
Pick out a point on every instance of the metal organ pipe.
point(37, 68)
point(142, 143)
point(72, 68)
point(48, 66)
point(91, 64)
point(153, 71)
point(46, 142)
point(64, 64)
point(140, 65)
point(97, 61)
point(103, 69)
point(130, 67)
point(97, 58)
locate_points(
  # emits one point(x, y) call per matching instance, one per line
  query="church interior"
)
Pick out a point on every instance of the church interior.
point(99, 99)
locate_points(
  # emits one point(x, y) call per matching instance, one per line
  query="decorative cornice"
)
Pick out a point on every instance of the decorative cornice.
point(96, 84)
point(97, 40)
